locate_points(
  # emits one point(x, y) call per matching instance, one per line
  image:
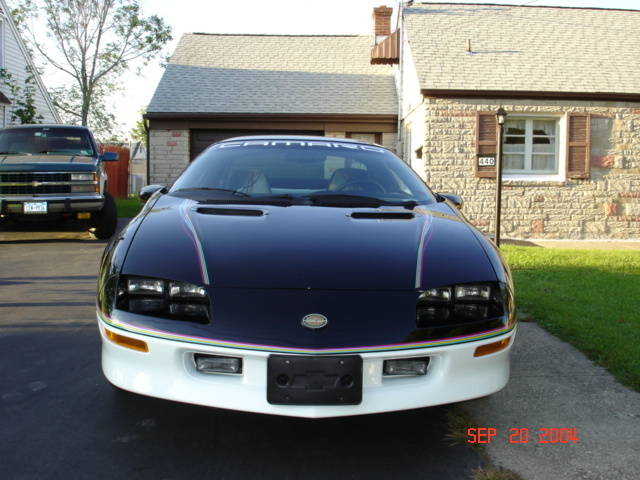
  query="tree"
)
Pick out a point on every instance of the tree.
point(23, 106)
point(138, 132)
point(92, 42)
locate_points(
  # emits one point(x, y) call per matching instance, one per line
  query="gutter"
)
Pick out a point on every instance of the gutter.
point(523, 94)
point(400, 29)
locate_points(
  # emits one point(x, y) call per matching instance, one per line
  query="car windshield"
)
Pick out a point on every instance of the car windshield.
point(324, 171)
point(46, 141)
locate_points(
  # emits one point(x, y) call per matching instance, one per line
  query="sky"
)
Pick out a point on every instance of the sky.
point(270, 16)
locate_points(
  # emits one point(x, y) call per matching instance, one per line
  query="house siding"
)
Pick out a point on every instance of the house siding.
point(604, 206)
point(170, 155)
point(412, 111)
point(15, 62)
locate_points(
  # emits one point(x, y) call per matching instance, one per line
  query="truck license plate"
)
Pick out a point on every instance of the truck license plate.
point(34, 207)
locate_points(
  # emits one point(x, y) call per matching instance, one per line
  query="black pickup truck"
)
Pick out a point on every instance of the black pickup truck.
point(54, 172)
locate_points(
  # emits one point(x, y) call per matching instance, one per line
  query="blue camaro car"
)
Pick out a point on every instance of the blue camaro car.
point(304, 276)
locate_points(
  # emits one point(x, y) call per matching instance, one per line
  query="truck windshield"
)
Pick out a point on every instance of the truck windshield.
point(46, 141)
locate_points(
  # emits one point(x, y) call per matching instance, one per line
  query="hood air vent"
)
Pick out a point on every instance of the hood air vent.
point(383, 215)
point(233, 212)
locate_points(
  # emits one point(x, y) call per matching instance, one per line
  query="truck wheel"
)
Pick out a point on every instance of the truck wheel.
point(106, 220)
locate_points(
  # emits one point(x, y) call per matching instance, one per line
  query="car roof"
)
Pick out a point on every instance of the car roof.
point(309, 138)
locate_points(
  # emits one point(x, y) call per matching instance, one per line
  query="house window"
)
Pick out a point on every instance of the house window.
point(531, 146)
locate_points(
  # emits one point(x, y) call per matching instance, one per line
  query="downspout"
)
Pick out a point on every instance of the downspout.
point(145, 122)
point(400, 29)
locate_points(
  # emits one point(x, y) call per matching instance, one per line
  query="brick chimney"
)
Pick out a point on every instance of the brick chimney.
point(382, 22)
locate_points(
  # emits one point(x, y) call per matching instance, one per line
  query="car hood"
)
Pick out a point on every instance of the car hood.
point(305, 247)
point(52, 163)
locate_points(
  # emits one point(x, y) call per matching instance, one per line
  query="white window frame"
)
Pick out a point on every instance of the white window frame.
point(2, 41)
point(560, 137)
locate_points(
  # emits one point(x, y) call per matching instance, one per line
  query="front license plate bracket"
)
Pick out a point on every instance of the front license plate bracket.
point(314, 380)
point(34, 208)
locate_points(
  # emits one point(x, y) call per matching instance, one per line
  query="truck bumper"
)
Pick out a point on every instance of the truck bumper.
point(13, 205)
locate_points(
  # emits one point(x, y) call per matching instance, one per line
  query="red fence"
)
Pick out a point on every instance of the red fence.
point(118, 172)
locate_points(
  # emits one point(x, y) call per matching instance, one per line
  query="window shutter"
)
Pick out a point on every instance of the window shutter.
point(578, 145)
point(486, 141)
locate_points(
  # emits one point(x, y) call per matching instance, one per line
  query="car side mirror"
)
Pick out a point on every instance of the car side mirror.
point(109, 157)
point(455, 199)
point(149, 190)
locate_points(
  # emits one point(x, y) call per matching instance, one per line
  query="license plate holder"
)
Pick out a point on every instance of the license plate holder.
point(38, 208)
point(314, 380)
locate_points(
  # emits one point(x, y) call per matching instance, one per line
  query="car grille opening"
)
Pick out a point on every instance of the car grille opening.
point(236, 212)
point(383, 215)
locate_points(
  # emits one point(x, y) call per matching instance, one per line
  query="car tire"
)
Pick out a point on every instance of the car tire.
point(106, 220)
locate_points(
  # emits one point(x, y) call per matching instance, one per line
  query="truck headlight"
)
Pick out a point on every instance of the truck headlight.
point(86, 177)
point(83, 188)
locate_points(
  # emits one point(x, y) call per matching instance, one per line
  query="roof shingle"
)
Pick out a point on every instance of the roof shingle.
point(274, 74)
point(541, 49)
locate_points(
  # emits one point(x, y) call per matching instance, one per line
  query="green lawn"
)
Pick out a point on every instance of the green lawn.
point(128, 207)
point(589, 298)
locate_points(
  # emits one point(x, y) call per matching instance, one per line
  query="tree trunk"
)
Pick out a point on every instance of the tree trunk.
point(85, 110)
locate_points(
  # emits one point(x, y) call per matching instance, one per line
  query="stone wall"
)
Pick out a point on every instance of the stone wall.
point(390, 140)
point(604, 206)
point(169, 155)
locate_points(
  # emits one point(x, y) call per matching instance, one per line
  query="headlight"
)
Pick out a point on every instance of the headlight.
point(180, 290)
point(145, 286)
point(82, 188)
point(163, 298)
point(82, 176)
point(436, 295)
point(473, 292)
point(457, 305)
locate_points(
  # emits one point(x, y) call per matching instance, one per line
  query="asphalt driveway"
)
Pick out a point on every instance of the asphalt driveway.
point(61, 419)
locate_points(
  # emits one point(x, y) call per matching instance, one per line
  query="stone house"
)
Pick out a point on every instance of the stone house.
point(137, 166)
point(569, 79)
point(16, 60)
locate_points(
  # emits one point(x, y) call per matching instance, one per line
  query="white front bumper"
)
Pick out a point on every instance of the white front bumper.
point(168, 371)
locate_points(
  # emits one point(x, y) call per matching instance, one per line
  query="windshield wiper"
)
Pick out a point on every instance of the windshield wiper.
point(330, 199)
point(284, 200)
point(226, 190)
point(15, 153)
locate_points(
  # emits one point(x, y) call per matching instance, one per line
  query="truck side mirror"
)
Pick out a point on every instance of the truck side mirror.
point(109, 157)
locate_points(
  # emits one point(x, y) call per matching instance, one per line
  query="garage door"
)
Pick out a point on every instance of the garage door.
point(201, 139)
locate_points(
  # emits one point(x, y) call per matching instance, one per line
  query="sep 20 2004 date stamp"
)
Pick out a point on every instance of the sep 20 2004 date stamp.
point(561, 435)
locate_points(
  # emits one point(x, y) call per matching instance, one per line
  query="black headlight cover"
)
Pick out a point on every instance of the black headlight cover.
point(466, 309)
point(162, 298)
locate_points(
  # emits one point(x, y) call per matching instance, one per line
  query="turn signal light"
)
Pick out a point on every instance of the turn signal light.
point(492, 347)
point(127, 342)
